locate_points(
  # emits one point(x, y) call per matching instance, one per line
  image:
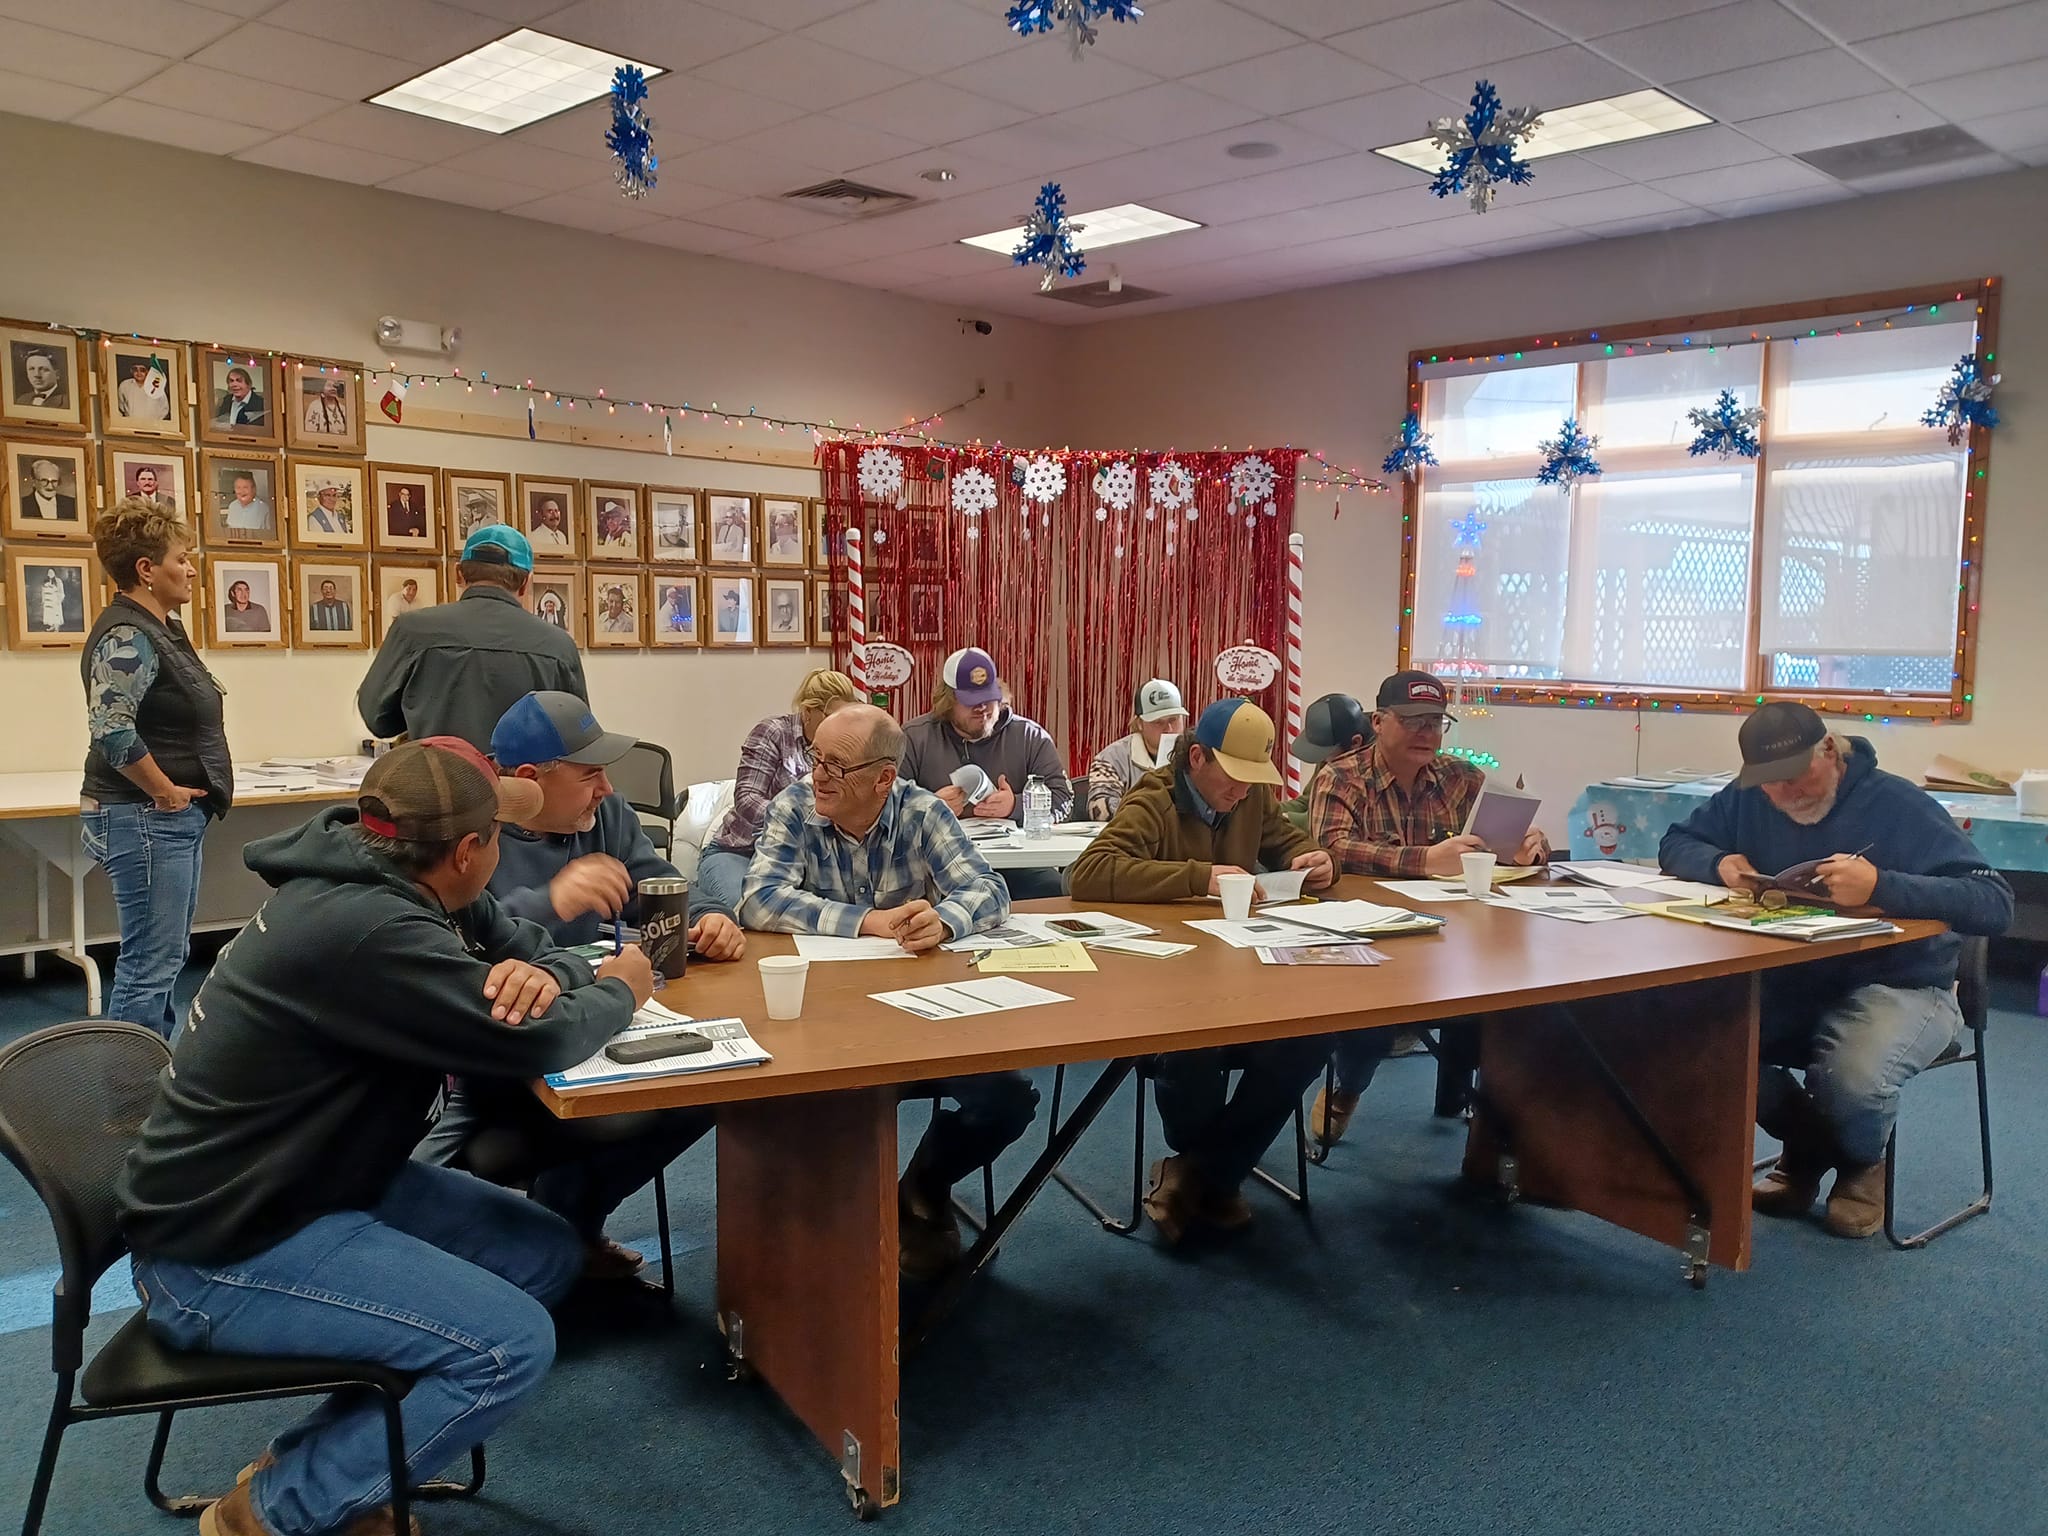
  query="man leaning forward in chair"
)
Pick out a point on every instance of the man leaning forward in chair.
point(1210, 812)
point(1857, 1025)
point(272, 1204)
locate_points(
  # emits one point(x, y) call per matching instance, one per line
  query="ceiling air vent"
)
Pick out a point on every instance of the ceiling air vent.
point(1897, 154)
point(1101, 296)
point(851, 199)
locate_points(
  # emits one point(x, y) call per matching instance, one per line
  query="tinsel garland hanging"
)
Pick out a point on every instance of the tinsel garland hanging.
point(1964, 402)
point(1480, 147)
point(630, 137)
point(1728, 429)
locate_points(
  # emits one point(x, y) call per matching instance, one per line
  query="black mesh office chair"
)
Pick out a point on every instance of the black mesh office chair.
point(646, 776)
point(72, 1101)
point(1973, 996)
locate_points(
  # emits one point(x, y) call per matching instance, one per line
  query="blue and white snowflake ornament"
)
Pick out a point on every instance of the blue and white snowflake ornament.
point(1728, 429)
point(1480, 147)
point(1964, 402)
point(1048, 242)
point(1568, 458)
point(630, 137)
point(1412, 452)
point(1078, 17)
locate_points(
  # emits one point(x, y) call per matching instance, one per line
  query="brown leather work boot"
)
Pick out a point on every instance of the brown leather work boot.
point(233, 1515)
point(1856, 1203)
point(1331, 1115)
point(1173, 1200)
point(376, 1523)
point(1226, 1211)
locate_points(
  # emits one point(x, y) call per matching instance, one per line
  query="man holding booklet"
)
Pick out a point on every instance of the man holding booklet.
point(1859, 1025)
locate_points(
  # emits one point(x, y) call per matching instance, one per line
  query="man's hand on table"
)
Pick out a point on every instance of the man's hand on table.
point(521, 991)
point(916, 925)
point(1322, 869)
point(714, 936)
point(1442, 860)
point(1218, 871)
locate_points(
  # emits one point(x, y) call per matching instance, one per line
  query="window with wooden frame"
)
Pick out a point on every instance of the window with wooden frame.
point(1839, 566)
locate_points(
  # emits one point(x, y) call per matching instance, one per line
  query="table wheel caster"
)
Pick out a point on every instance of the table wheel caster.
point(864, 1506)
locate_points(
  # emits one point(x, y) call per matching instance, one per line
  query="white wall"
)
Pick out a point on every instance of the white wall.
point(1325, 369)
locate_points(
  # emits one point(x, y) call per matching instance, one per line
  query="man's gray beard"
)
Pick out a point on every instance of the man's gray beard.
point(1818, 813)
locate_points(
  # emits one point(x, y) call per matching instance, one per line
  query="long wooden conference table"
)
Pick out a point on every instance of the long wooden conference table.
point(1617, 1077)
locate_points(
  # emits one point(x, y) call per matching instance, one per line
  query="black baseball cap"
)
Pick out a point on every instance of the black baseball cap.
point(1328, 725)
point(1410, 694)
point(1777, 743)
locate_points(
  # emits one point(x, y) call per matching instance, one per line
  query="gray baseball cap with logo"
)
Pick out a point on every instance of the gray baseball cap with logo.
point(1777, 743)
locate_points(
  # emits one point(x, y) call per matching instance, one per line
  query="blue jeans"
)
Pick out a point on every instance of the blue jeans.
point(152, 859)
point(721, 873)
point(1222, 1134)
point(449, 1279)
point(1855, 1052)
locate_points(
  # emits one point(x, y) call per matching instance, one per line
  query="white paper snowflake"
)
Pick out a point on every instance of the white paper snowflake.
point(1045, 479)
point(1172, 486)
point(1251, 480)
point(974, 492)
point(1117, 484)
point(881, 474)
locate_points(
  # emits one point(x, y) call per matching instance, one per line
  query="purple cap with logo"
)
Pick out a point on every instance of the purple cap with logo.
point(971, 674)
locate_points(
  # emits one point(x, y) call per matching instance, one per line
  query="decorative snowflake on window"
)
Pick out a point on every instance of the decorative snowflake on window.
point(1045, 479)
point(1964, 402)
point(1567, 458)
point(1117, 485)
point(1251, 482)
point(974, 492)
point(881, 474)
point(1172, 486)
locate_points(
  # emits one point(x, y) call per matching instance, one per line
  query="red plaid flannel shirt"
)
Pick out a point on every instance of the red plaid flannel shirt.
point(1357, 810)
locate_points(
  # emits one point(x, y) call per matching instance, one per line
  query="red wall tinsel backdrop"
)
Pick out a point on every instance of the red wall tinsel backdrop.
point(1077, 602)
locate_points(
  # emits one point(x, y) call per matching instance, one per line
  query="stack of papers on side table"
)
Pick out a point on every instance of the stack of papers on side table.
point(731, 1046)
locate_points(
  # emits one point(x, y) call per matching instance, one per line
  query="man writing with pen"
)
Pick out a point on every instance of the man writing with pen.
point(859, 851)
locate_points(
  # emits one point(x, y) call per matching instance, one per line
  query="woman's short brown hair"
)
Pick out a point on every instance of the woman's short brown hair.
point(135, 530)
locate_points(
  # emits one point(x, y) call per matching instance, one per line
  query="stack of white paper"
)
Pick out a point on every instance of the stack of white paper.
point(823, 946)
point(961, 999)
point(731, 1046)
point(1259, 932)
point(1352, 917)
point(1606, 873)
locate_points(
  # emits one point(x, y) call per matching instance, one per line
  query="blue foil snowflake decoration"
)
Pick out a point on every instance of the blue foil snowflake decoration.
point(1049, 239)
point(1480, 147)
point(630, 137)
point(1077, 16)
point(1964, 402)
point(1728, 429)
point(1412, 452)
point(1568, 458)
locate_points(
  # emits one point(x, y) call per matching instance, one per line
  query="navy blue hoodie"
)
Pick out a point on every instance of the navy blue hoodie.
point(1927, 868)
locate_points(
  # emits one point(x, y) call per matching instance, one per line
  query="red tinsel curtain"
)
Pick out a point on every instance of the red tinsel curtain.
point(1077, 601)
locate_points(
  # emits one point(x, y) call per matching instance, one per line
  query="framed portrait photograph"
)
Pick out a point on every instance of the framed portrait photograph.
point(247, 607)
point(672, 600)
point(44, 383)
point(927, 611)
point(824, 545)
point(731, 602)
point(405, 508)
point(782, 534)
point(611, 523)
point(828, 611)
point(782, 611)
point(331, 601)
point(885, 616)
point(238, 500)
point(617, 610)
point(143, 392)
point(49, 488)
point(546, 514)
point(405, 586)
point(328, 497)
point(925, 546)
point(672, 525)
point(52, 598)
point(474, 498)
point(323, 405)
point(729, 528)
point(237, 397)
point(160, 475)
point(556, 596)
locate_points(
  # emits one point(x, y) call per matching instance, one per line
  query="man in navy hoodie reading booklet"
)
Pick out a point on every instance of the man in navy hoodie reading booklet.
point(272, 1203)
point(1857, 1025)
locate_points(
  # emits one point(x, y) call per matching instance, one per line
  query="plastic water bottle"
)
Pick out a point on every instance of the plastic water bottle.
point(1037, 809)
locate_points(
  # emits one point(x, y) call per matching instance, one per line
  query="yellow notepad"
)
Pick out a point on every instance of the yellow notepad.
point(1067, 955)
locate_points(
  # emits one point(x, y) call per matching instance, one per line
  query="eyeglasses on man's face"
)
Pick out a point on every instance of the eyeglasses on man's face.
point(831, 772)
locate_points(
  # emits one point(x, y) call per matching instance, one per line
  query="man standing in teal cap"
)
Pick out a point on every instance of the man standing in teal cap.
point(453, 670)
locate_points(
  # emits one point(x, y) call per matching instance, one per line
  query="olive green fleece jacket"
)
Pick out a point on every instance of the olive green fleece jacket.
point(1157, 847)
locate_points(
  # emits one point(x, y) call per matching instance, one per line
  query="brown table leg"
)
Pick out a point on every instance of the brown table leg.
point(807, 1270)
point(1684, 1057)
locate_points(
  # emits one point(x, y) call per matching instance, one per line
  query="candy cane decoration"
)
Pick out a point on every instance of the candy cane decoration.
point(856, 613)
point(1294, 709)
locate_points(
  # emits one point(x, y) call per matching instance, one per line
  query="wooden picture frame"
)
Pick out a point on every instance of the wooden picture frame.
point(53, 597)
point(613, 529)
point(675, 518)
point(556, 595)
point(553, 534)
point(730, 605)
point(473, 499)
point(238, 495)
point(329, 500)
point(331, 601)
point(784, 601)
point(675, 610)
point(728, 528)
point(618, 609)
point(781, 535)
point(823, 546)
point(404, 509)
point(216, 372)
point(885, 616)
point(158, 472)
point(324, 405)
point(259, 623)
point(926, 618)
point(131, 404)
point(50, 473)
point(38, 363)
point(828, 617)
point(389, 578)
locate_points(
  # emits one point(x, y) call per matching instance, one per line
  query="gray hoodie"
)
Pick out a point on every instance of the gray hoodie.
point(1015, 749)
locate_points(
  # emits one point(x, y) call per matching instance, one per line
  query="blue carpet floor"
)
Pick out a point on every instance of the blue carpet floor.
point(1415, 1360)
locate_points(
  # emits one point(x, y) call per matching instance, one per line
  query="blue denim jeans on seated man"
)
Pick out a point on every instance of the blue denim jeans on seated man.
point(152, 859)
point(1855, 1052)
point(449, 1279)
point(721, 872)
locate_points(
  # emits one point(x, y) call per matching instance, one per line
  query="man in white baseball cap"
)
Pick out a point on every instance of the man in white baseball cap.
point(1157, 719)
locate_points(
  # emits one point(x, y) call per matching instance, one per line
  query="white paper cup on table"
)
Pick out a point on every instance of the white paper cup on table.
point(782, 985)
point(1236, 891)
point(1478, 869)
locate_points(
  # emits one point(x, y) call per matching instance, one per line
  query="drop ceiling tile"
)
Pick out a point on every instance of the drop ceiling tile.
point(1853, 20)
point(1585, 19)
point(681, 235)
point(1460, 36)
point(1556, 77)
point(672, 197)
point(530, 165)
point(2011, 89)
point(1385, 117)
point(263, 52)
point(1042, 146)
point(1738, 183)
point(1557, 176)
point(206, 132)
point(807, 74)
point(1842, 122)
point(831, 144)
point(248, 9)
point(68, 59)
point(403, 135)
point(740, 170)
point(169, 28)
point(1782, 85)
point(608, 217)
point(1161, 114)
point(1744, 208)
point(1502, 225)
point(784, 15)
point(424, 31)
point(1709, 42)
point(1400, 208)
point(1326, 18)
point(216, 93)
point(1192, 36)
point(675, 34)
point(1675, 154)
point(717, 114)
point(1604, 206)
point(465, 187)
point(970, 174)
point(312, 157)
point(928, 112)
point(515, 12)
point(2010, 131)
point(1044, 79)
point(1656, 223)
point(766, 218)
point(1307, 75)
point(1205, 161)
point(792, 258)
point(580, 131)
point(933, 35)
point(1256, 197)
point(32, 96)
point(1960, 45)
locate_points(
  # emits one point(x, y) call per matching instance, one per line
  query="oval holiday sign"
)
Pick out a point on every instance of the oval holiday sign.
point(1246, 668)
point(888, 666)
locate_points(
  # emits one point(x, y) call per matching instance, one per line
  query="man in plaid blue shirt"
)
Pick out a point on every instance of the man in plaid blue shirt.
point(859, 851)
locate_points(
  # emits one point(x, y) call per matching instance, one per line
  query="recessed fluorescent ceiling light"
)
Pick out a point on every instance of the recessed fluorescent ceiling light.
point(1105, 226)
point(1638, 115)
point(517, 80)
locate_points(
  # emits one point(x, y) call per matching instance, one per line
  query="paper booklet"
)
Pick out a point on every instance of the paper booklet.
point(961, 999)
point(1355, 917)
point(1807, 924)
point(731, 1046)
point(1323, 954)
point(1953, 774)
point(1501, 818)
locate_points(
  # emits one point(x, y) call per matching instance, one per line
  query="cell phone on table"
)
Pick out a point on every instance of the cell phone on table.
point(670, 1042)
point(1074, 927)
